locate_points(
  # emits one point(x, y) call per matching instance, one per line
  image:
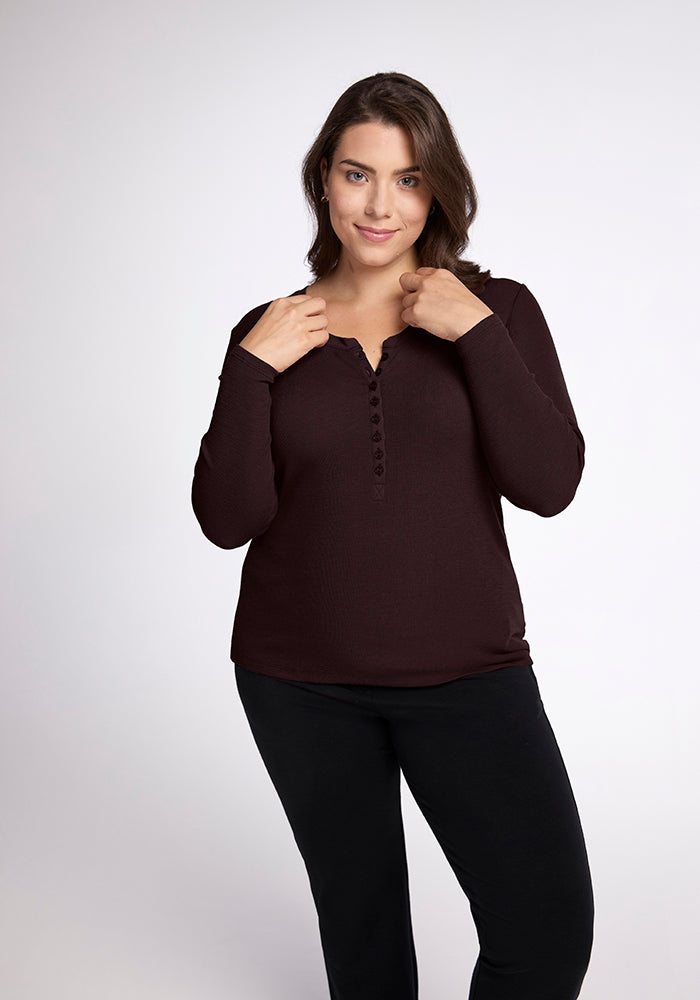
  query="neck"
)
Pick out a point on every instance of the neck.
point(374, 285)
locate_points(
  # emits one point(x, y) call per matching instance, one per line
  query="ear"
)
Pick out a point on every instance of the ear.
point(324, 174)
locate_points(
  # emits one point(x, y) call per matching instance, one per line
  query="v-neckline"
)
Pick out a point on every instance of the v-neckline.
point(353, 340)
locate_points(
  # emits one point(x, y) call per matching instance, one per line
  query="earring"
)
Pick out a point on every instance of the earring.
point(432, 209)
point(323, 198)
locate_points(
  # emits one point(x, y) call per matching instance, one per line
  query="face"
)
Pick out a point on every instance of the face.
point(377, 199)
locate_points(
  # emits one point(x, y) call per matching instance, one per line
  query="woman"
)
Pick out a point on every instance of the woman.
point(364, 432)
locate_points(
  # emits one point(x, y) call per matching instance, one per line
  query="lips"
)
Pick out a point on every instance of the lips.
point(376, 235)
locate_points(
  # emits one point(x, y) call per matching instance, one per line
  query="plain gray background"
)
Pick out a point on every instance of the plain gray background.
point(150, 197)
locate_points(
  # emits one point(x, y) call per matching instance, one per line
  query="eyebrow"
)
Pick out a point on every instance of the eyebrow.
point(370, 170)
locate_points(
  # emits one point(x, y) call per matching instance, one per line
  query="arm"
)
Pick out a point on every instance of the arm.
point(527, 426)
point(233, 489)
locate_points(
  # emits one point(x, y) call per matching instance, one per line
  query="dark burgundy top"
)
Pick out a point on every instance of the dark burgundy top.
point(372, 499)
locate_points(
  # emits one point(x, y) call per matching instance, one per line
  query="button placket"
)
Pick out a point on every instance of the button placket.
point(377, 433)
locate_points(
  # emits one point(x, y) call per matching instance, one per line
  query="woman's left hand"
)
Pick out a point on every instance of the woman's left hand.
point(438, 302)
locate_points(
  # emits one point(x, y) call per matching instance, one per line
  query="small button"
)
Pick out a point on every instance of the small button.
point(379, 469)
point(375, 418)
point(384, 356)
point(378, 371)
point(378, 453)
point(377, 436)
point(372, 386)
point(374, 400)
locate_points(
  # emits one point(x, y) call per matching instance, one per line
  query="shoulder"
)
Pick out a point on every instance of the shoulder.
point(510, 299)
point(246, 323)
point(499, 294)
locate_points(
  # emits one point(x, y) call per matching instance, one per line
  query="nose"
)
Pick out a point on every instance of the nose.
point(379, 202)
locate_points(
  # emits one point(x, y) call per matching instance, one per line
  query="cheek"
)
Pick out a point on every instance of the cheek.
point(418, 213)
point(343, 202)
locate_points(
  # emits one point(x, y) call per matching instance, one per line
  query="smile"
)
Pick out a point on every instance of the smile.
point(376, 235)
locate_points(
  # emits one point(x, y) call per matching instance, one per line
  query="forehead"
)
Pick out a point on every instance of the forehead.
point(374, 141)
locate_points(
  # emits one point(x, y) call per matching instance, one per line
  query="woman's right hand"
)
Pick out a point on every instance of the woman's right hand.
point(287, 330)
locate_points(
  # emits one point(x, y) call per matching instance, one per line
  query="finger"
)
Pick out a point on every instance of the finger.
point(314, 305)
point(409, 281)
point(318, 321)
point(427, 270)
point(313, 300)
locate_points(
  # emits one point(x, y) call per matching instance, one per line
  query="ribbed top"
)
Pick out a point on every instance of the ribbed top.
point(372, 499)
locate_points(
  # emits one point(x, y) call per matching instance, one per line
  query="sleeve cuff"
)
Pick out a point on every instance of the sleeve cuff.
point(241, 359)
point(491, 330)
point(488, 323)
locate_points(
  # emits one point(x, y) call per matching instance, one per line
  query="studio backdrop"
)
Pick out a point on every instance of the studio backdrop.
point(151, 196)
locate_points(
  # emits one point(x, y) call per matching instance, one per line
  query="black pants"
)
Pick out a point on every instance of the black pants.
point(483, 765)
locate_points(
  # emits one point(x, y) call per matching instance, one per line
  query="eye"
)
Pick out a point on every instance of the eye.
point(354, 173)
point(413, 180)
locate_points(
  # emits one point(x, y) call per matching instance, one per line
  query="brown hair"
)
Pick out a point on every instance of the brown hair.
point(396, 99)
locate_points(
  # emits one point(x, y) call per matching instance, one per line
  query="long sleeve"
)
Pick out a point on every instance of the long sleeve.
point(233, 489)
point(527, 426)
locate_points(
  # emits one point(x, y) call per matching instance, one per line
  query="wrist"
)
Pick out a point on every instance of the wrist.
point(471, 322)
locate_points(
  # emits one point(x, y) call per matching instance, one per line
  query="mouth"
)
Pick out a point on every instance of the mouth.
point(376, 235)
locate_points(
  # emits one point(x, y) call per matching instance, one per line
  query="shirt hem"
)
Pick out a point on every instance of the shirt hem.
point(291, 675)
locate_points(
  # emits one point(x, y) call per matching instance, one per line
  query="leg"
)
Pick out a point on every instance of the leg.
point(484, 767)
point(336, 773)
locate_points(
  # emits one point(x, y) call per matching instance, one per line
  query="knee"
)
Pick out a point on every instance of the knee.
point(561, 944)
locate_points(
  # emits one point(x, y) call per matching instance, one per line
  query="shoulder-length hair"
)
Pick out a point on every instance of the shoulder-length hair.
point(396, 99)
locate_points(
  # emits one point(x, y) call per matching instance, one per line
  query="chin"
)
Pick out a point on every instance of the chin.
point(394, 247)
